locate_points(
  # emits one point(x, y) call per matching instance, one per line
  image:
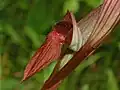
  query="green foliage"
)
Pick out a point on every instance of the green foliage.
point(112, 82)
point(71, 5)
point(23, 27)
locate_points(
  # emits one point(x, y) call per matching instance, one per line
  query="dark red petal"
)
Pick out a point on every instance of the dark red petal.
point(67, 17)
point(48, 52)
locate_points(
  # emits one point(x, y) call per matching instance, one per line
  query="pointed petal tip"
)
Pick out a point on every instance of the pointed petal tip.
point(68, 12)
point(23, 79)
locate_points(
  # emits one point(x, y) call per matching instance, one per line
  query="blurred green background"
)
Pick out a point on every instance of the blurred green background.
point(23, 27)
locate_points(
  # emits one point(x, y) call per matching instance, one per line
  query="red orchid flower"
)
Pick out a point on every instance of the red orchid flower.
point(51, 49)
point(70, 42)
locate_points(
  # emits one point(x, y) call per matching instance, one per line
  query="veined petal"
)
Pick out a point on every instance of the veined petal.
point(87, 24)
point(108, 19)
point(75, 43)
point(77, 38)
point(48, 52)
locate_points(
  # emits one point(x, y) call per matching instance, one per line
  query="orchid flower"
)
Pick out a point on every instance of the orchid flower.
point(71, 42)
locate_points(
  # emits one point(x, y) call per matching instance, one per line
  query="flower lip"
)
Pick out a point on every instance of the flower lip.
point(60, 32)
point(56, 36)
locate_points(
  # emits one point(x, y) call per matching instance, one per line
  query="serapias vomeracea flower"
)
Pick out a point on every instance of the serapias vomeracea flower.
point(70, 42)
